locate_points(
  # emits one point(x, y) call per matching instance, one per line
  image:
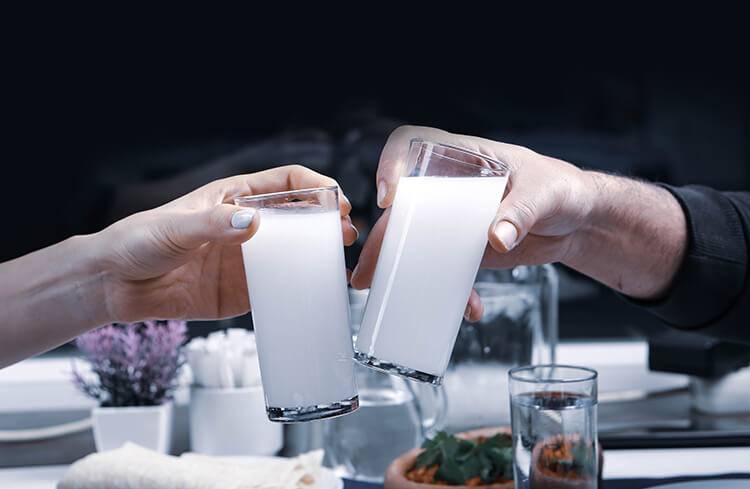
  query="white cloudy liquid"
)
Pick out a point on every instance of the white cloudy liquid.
point(431, 251)
point(297, 284)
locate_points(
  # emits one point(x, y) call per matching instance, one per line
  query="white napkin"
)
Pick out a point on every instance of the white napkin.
point(135, 467)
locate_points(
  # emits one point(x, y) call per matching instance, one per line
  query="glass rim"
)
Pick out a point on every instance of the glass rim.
point(303, 191)
point(503, 169)
point(591, 374)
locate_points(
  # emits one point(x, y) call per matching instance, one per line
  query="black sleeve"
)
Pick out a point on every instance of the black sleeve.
point(710, 293)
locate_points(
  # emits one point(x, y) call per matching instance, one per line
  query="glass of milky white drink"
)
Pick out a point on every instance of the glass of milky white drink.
point(296, 279)
point(433, 245)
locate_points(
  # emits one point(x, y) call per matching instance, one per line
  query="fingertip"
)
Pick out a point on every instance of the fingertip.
point(244, 223)
point(477, 311)
point(254, 226)
point(503, 236)
point(355, 279)
point(383, 194)
point(242, 218)
point(348, 231)
point(474, 307)
point(345, 206)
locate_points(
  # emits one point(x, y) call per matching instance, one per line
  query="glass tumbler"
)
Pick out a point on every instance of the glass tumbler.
point(553, 415)
point(433, 245)
point(296, 280)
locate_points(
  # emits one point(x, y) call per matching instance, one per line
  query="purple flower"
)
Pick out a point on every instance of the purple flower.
point(134, 364)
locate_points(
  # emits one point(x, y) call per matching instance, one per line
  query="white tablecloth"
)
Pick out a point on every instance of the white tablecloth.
point(618, 464)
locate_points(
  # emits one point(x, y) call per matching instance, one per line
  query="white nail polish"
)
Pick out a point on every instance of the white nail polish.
point(242, 219)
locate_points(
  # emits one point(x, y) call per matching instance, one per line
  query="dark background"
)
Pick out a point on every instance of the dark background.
point(85, 148)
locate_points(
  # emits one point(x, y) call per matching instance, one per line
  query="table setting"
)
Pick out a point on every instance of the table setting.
point(402, 391)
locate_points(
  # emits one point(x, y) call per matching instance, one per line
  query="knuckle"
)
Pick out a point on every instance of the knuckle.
point(216, 218)
point(525, 211)
point(294, 170)
point(167, 237)
point(402, 130)
point(404, 133)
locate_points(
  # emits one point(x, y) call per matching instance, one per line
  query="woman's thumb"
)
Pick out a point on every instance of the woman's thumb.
point(223, 223)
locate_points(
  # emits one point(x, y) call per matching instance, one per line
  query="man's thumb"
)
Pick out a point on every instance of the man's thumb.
point(514, 220)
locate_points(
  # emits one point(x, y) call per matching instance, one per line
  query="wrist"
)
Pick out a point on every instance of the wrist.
point(602, 190)
point(90, 278)
point(633, 238)
point(592, 190)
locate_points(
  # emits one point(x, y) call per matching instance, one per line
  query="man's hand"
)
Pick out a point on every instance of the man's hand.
point(626, 234)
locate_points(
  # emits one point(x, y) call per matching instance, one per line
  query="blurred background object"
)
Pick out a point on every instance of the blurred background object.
point(518, 327)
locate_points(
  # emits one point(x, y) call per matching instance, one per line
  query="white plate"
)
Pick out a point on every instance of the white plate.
point(722, 484)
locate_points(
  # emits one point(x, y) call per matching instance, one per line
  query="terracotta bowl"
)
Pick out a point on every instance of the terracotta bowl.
point(395, 476)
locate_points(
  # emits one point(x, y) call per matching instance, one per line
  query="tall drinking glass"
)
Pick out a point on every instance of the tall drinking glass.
point(553, 414)
point(296, 280)
point(431, 251)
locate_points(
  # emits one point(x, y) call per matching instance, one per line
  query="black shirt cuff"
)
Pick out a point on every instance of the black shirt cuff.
point(712, 275)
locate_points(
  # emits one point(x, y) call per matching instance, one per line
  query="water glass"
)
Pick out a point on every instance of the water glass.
point(553, 415)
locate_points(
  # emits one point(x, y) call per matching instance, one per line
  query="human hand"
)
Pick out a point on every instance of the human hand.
point(183, 259)
point(547, 202)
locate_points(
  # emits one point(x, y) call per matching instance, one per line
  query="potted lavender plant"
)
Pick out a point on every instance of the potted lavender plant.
point(134, 370)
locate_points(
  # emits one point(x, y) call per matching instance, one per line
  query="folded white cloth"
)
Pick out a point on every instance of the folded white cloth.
point(135, 467)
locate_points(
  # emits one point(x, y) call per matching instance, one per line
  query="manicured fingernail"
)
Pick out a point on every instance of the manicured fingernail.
point(354, 272)
point(467, 312)
point(345, 199)
point(507, 234)
point(242, 219)
point(382, 192)
point(356, 232)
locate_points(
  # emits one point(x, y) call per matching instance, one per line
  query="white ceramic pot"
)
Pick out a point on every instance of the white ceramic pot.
point(232, 422)
point(147, 426)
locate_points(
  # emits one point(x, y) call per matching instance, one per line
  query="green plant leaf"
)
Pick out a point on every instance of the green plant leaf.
point(450, 472)
point(428, 458)
point(471, 467)
point(449, 447)
point(465, 449)
point(500, 440)
point(460, 460)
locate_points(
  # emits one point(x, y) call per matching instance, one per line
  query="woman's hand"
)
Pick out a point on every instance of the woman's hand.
point(626, 234)
point(183, 259)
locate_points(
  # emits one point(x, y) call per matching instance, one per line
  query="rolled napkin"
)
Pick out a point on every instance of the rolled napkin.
point(135, 467)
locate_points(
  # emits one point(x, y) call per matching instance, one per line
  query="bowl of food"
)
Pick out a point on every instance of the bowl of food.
point(566, 462)
point(479, 458)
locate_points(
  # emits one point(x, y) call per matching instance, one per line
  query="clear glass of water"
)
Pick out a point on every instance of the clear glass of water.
point(554, 419)
point(296, 280)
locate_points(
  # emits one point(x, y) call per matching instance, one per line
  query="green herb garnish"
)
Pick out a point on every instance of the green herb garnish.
point(459, 460)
